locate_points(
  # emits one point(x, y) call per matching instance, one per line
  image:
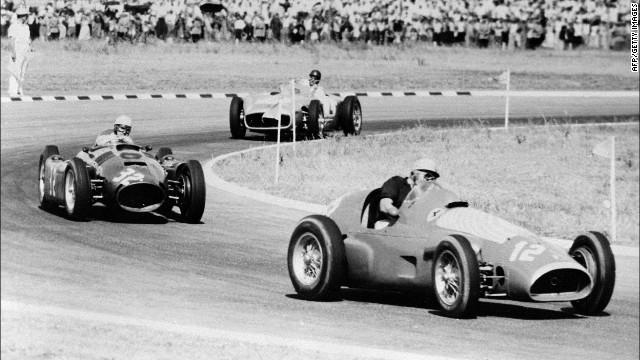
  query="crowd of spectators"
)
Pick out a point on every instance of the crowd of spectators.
point(505, 24)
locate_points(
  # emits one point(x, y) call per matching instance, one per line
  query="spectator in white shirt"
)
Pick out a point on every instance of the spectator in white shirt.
point(20, 43)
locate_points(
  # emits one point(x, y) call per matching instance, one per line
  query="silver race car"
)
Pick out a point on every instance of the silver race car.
point(314, 114)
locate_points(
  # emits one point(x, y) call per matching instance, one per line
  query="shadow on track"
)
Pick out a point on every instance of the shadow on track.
point(420, 301)
point(106, 214)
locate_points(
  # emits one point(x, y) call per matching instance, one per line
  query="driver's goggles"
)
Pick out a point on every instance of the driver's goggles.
point(427, 175)
point(124, 129)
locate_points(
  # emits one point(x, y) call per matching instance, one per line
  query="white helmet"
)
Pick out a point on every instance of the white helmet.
point(426, 165)
point(123, 123)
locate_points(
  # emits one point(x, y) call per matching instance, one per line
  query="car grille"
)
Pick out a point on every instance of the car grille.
point(560, 281)
point(142, 197)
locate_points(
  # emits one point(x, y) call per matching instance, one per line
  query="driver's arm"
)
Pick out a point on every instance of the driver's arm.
point(386, 206)
point(390, 190)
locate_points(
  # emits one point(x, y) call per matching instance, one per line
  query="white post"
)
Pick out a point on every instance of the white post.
point(613, 190)
point(278, 142)
point(506, 110)
point(293, 111)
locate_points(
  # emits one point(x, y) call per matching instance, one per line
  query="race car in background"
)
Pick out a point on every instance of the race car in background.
point(447, 252)
point(314, 116)
point(121, 176)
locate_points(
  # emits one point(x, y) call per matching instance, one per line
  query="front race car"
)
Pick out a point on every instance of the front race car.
point(441, 246)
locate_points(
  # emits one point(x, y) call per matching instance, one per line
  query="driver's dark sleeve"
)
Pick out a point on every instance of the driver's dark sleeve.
point(392, 189)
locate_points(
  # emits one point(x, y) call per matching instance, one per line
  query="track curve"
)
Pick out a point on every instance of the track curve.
point(229, 273)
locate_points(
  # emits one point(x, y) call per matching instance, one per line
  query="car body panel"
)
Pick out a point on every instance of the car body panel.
point(261, 110)
point(399, 257)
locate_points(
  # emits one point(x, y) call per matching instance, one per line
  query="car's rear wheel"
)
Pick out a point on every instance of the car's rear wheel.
point(314, 120)
point(592, 250)
point(456, 277)
point(193, 189)
point(236, 118)
point(162, 152)
point(351, 116)
point(77, 189)
point(316, 258)
point(48, 152)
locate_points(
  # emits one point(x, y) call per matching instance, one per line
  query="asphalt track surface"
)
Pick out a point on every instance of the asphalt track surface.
point(223, 285)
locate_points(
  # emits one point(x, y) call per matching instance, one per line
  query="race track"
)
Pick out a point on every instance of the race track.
point(147, 287)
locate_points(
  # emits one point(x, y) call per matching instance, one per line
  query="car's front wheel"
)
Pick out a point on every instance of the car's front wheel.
point(351, 117)
point(193, 191)
point(456, 277)
point(592, 250)
point(316, 258)
point(77, 189)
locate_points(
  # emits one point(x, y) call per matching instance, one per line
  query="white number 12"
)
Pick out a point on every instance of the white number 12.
point(527, 254)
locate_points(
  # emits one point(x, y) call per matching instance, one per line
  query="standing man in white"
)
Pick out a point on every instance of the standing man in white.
point(20, 43)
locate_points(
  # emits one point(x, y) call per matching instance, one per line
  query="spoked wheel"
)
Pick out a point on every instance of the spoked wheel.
point(456, 278)
point(316, 257)
point(77, 189)
point(49, 151)
point(236, 118)
point(592, 250)
point(193, 191)
point(308, 260)
point(351, 117)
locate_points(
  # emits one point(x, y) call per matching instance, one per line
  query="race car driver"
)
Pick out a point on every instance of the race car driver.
point(314, 82)
point(118, 135)
point(395, 189)
point(318, 92)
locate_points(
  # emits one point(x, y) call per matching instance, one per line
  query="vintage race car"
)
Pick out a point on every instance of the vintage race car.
point(122, 176)
point(314, 115)
point(447, 252)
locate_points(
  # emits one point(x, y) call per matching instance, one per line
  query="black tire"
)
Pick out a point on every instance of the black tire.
point(77, 189)
point(194, 191)
point(49, 151)
point(162, 152)
point(316, 258)
point(313, 120)
point(457, 287)
point(236, 118)
point(351, 116)
point(592, 250)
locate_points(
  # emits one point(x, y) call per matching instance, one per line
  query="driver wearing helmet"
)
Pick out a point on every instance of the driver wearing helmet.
point(118, 135)
point(317, 91)
point(314, 83)
point(396, 189)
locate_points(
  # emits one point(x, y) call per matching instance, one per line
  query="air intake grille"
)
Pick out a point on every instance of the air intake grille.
point(560, 281)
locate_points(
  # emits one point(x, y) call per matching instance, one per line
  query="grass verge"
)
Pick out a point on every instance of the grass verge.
point(544, 178)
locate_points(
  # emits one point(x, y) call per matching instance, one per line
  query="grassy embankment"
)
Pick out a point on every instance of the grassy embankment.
point(543, 178)
point(94, 67)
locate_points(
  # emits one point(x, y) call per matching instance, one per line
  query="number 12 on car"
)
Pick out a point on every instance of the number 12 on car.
point(526, 253)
